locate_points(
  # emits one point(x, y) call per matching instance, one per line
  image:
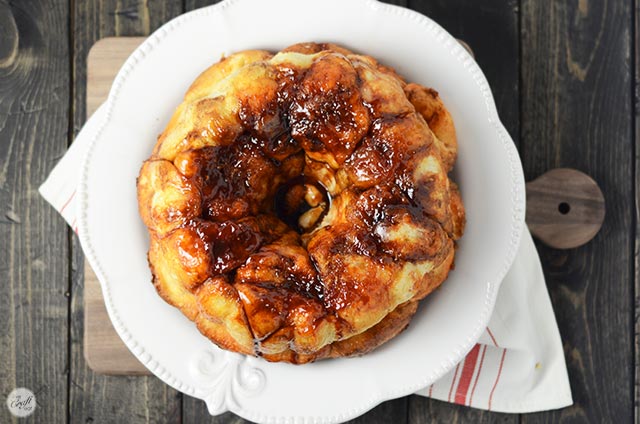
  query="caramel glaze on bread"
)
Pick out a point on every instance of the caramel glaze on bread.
point(299, 204)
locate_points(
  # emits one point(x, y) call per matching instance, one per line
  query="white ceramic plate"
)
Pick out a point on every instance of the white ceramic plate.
point(145, 93)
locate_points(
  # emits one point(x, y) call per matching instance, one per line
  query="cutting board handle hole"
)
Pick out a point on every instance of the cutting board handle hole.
point(564, 208)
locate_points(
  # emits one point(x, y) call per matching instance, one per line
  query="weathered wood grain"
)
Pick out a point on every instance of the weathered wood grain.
point(34, 241)
point(424, 410)
point(636, 112)
point(196, 4)
point(94, 397)
point(491, 30)
point(576, 112)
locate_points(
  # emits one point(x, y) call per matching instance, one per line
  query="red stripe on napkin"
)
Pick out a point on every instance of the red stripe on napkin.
point(493, 339)
point(453, 382)
point(475, 383)
point(68, 201)
point(504, 353)
point(467, 373)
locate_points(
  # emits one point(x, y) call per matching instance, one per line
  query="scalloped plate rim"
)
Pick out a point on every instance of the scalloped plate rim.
point(517, 223)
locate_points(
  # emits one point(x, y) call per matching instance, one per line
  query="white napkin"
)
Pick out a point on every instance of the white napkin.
point(518, 364)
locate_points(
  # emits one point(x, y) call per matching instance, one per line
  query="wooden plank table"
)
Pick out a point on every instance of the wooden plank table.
point(565, 78)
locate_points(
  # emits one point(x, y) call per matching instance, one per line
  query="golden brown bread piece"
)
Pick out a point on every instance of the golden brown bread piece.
point(299, 204)
point(427, 102)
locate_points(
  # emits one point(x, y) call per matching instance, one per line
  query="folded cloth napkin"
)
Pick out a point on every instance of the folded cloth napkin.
point(518, 363)
point(516, 366)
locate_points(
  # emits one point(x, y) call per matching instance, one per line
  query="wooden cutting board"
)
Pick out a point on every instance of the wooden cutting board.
point(104, 351)
point(565, 209)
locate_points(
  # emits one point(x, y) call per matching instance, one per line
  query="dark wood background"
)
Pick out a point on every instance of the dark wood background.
point(565, 78)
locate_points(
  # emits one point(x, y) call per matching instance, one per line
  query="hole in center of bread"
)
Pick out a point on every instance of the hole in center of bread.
point(302, 203)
